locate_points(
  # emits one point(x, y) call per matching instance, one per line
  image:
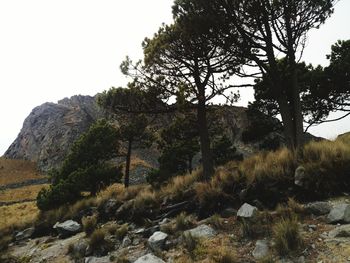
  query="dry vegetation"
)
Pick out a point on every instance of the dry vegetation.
point(16, 171)
point(17, 215)
point(23, 193)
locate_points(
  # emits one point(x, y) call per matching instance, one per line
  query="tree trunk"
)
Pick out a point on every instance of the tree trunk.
point(207, 159)
point(127, 164)
point(296, 109)
point(190, 164)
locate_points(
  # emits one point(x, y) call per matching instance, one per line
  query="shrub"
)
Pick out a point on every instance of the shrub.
point(122, 231)
point(183, 222)
point(97, 239)
point(216, 221)
point(189, 242)
point(89, 224)
point(326, 165)
point(224, 255)
point(287, 236)
point(112, 229)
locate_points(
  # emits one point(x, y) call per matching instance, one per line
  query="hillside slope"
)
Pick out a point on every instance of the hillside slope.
point(50, 129)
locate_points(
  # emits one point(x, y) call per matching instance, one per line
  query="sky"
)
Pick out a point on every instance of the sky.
point(50, 50)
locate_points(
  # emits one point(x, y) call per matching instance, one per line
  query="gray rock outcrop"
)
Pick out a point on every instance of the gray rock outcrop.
point(340, 213)
point(201, 231)
point(318, 208)
point(67, 228)
point(157, 240)
point(51, 128)
point(247, 211)
point(261, 249)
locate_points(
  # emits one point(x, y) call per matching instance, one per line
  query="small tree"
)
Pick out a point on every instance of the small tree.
point(86, 168)
point(134, 130)
point(129, 105)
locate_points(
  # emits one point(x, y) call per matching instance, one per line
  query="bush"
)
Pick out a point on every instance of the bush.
point(122, 231)
point(183, 222)
point(89, 224)
point(224, 255)
point(97, 240)
point(327, 166)
point(287, 236)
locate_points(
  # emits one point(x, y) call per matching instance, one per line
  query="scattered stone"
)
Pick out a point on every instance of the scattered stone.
point(318, 208)
point(164, 221)
point(136, 241)
point(247, 211)
point(261, 249)
point(339, 214)
point(139, 231)
point(228, 212)
point(25, 234)
point(341, 231)
point(201, 231)
point(67, 228)
point(149, 258)
point(126, 242)
point(157, 240)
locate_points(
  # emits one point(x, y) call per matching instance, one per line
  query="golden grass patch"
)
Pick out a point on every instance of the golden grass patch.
point(16, 171)
point(17, 215)
point(23, 193)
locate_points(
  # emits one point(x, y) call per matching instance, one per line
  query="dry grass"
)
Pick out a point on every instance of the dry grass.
point(177, 187)
point(17, 216)
point(278, 165)
point(287, 236)
point(16, 171)
point(327, 165)
point(23, 193)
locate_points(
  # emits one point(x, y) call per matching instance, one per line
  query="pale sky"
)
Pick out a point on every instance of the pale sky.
point(55, 49)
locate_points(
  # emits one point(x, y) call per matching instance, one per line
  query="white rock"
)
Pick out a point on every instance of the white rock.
point(247, 211)
point(157, 240)
point(261, 249)
point(202, 231)
point(339, 214)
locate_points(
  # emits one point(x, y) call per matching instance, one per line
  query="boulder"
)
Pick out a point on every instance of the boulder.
point(261, 249)
point(25, 234)
point(340, 213)
point(149, 258)
point(318, 208)
point(157, 240)
point(202, 231)
point(67, 228)
point(341, 231)
point(247, 211)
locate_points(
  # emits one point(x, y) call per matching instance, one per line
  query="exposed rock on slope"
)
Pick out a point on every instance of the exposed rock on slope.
point(50, 129)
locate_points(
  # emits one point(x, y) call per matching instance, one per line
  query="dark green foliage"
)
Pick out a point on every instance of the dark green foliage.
point(84, 169)
point(224, 151)
point(262, 128)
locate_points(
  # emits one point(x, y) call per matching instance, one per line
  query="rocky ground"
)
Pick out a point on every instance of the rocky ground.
point(324, 227)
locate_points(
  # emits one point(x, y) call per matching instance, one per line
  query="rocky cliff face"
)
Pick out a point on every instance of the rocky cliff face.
point(50, 129)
